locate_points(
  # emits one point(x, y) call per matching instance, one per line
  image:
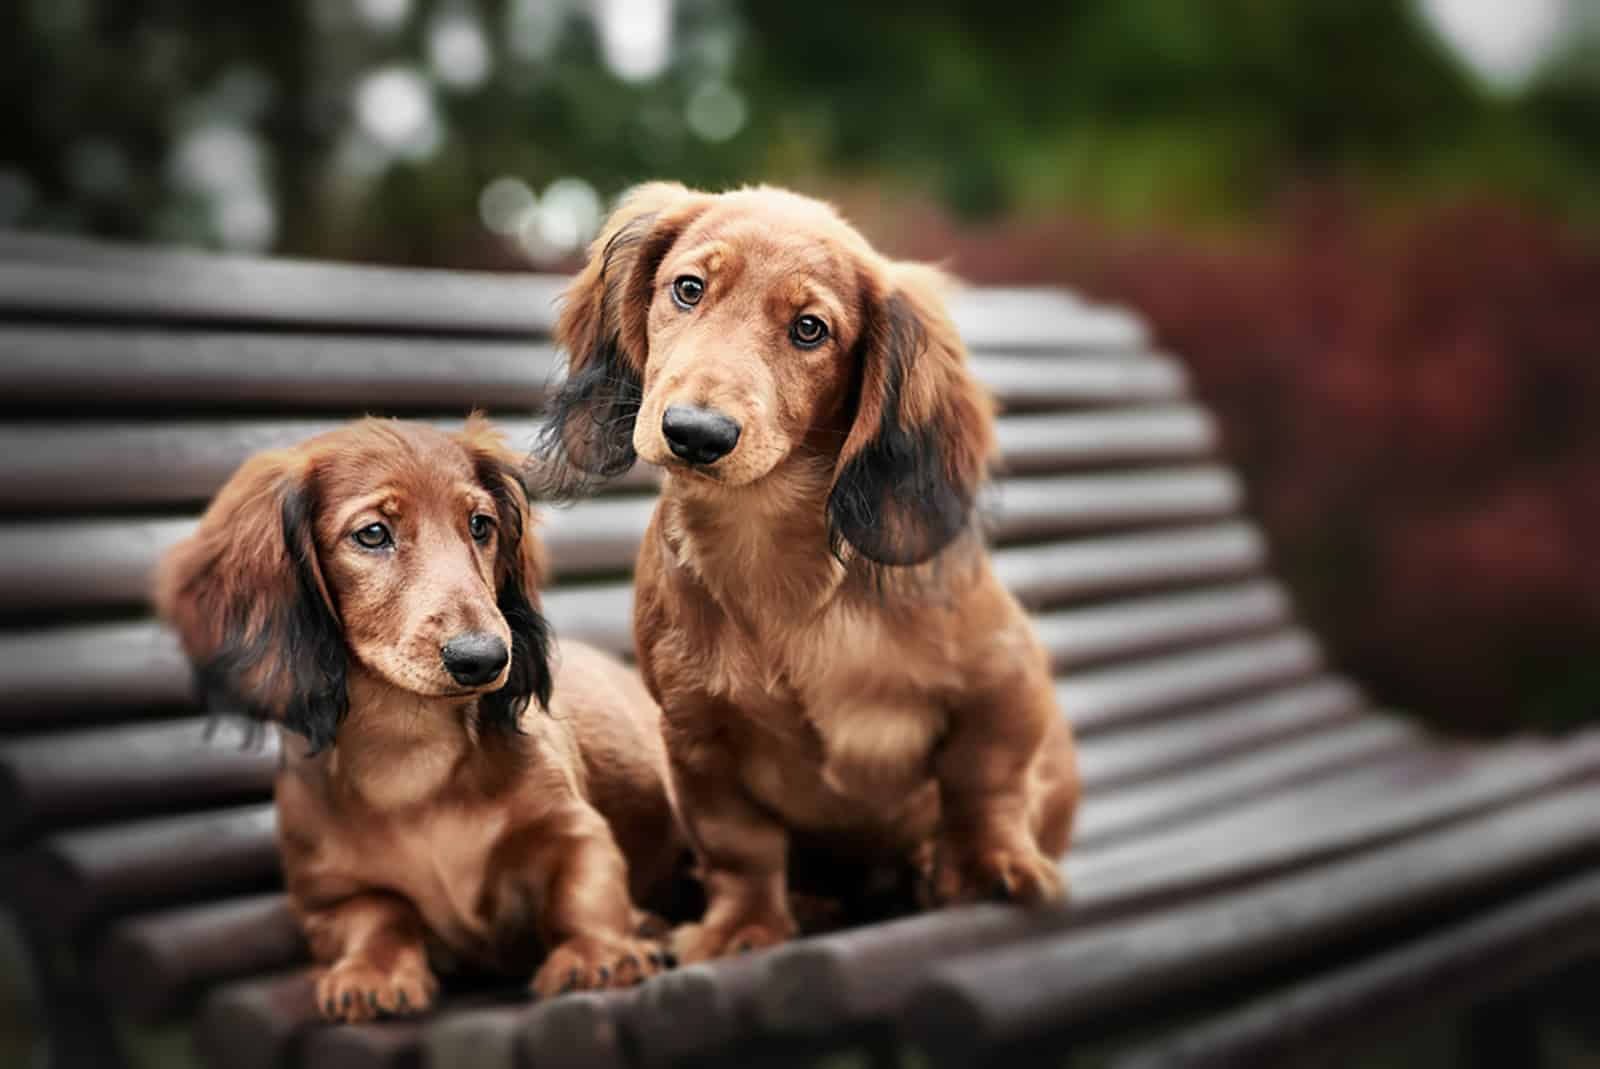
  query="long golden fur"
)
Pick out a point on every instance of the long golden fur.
point(485, 822)
point(834, 657)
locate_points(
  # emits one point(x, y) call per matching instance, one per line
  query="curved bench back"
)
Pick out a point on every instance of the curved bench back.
point(138, 836)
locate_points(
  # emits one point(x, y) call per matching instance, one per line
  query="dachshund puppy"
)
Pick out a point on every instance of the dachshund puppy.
point(835, 660)
point(375, 592)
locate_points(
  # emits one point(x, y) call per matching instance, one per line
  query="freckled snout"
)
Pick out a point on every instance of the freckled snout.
point(698, 435)
point(475, 658)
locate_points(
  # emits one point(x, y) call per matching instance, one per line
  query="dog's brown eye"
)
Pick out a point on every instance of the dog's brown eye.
point(480, 526)
point(373, 536)
point(687, 291)
point(808, 332)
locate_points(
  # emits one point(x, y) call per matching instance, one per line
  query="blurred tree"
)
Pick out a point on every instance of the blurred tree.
point(369, 128)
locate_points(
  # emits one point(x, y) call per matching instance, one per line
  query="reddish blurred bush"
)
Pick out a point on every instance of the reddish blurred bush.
point(1414, 403)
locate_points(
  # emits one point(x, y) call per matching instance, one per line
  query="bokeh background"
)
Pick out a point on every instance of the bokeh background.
point(1371, 228)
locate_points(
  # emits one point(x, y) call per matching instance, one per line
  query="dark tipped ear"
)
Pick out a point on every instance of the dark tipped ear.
point(519, 573)
point(246, 595)
point(602, 326)
point(923, 430)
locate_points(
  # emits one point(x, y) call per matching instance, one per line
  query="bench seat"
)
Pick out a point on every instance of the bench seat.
point(1261, 858)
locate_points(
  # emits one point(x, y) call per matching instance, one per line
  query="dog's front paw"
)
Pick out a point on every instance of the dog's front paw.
point(591, 964)
point(955, 874)
point(703, 942)
point(354, 989)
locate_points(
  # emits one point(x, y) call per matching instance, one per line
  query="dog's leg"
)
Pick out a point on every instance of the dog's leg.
point(985, 847)
point(378, 964)
point(586, 917)
point(743, 859)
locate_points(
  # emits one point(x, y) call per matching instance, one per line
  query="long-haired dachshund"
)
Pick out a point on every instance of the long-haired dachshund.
point(444, 793)
point(834, 657)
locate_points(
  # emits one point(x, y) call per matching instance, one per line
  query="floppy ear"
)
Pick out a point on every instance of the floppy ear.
point(246, 595)
point(519, 572)
point(923, 431)
point(602, 326)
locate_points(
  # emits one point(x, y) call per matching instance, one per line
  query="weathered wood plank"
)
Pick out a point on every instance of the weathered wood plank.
point(871, 975)
point(75, 777)
point(283, 293)
point(142, 286)
point(1339, 1013)
point(58, 467)
point(1174, 744)
point(1100, 698)
point(114, 368)
point(151, 965)
point(85, 563)
point(130, 665)
point(974, 1005)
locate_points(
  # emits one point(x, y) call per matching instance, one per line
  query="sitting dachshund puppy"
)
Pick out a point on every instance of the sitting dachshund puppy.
point(375, 592)
point(835, 660)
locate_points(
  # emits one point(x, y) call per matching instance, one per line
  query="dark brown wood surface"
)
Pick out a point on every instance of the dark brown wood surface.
point(1246, 812)
point(1338, 1014)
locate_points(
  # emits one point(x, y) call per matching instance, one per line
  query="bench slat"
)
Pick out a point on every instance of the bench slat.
point(251, 1024)
point(100, 465)
point(1019, 508)
point(1062, 571)
point(1098, 699)
point(70, 466)
point(151, 965)
point(797, 991)
point(285, 293)
point(156, 286)
point(168, 932)
point(1356, 811)
point(1251, 774)
point(1083, 379)
point(172, 858)
point(92, 873)
point(1043, 443)
point(102, 367)
point(1112, 759)
point(845, 980)
point(1364, 809)
point(969, 1006)
point(82, 564)
point(125, 367)
point(1337, 1013)
point(50, 780)
point(481, 1039)
point(1088, 635)
point(78, 776)
point(385, 1045)
point(102, 563)
point(134, 665)
point(116, 668)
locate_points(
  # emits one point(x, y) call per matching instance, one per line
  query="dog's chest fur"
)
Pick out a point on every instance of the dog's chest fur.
point(406, 832)
point(845, 701)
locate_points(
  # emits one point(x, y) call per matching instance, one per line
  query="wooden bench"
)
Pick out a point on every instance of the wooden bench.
point(1261, 858)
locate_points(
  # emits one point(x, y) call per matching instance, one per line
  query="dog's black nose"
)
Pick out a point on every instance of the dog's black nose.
point(474, 658)
point(698, 435)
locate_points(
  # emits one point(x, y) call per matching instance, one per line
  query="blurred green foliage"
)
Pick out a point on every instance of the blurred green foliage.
point(1133, 110)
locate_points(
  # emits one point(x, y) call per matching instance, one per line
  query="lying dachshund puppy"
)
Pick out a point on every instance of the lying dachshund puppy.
point(834, 657)
point(375, 592)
